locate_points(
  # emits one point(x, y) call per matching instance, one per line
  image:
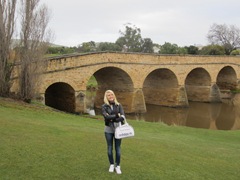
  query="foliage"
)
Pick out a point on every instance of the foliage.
point(182, 50)
point(191, 49)
point(129, 41)
point(108, 46)
point(235, 91)
point(168, 48)
point(7, 24)
point(147, 46)
point(227, 36)
point(61, 50)
point(87, 47)
point(235, 52)
point(132, 41)
point(40, 143)
point(92, 82)
point(212, 50)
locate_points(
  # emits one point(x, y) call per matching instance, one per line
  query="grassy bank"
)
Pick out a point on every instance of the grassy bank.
point(39, 143)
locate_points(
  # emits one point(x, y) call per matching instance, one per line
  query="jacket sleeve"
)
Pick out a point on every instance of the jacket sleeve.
point(108, 117)
point(121, 111)
point(122, 117)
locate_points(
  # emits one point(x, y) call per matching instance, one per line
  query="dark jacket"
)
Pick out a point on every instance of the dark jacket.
point(113, 115)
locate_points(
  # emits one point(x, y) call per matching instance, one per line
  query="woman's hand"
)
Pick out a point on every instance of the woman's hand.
point(120, 119)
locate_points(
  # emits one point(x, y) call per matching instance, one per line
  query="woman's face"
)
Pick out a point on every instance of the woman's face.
point(110, 97)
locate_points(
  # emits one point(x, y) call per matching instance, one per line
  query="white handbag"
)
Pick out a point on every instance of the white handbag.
point(124, 131)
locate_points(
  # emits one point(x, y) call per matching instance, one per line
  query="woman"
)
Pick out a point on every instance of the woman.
point(113, 115)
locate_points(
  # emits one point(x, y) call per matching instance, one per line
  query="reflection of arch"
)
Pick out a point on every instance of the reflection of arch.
point(227, 78)
point(117, 80)
point(60, 96)
point(161, 87)
point(226, 118)
point(198, 83)
point(170, 116)
point(199, 116)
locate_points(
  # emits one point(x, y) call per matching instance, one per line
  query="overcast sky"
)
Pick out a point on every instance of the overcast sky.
point(183, 22)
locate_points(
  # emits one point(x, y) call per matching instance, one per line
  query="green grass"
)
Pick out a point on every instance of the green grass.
point(92, 82)
point(236, 91)
point(37, 142)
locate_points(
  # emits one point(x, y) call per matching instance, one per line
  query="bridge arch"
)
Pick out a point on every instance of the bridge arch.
point(198, 85)
point(120, 82)
point(113, 78)
point(160, 87)
point(48, 81)
point(60, 96)
point(227, 78)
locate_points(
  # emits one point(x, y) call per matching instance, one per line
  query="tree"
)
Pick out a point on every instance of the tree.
point(131, 39)
point(7, 27)
point(212, 50)
point(147, 46)
point(60, 50)
point(227, 36)
point(235, 52)
point(182, 50)
point(191, 49)
point(168, 48)
point(107, 46)
point(87, 47)
point(34, 42)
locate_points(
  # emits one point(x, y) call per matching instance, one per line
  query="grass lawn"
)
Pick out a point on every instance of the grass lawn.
point(37, 142)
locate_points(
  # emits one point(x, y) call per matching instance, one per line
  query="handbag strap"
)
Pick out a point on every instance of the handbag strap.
point(120, 124)
point(125, 119)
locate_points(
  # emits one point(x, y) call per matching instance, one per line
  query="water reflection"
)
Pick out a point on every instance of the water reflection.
point(219, 116)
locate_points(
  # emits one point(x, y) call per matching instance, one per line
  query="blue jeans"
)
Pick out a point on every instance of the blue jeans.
point(109, 138)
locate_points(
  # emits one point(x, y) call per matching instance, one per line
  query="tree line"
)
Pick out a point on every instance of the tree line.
point(223, 40)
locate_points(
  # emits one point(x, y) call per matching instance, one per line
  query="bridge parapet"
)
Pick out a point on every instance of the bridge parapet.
point(90, 59)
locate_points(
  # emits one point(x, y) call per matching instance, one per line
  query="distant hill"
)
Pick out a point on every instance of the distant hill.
point(56, 45)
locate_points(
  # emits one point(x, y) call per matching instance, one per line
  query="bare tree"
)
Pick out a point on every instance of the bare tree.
point(7, 27)
point(227, 36)
point(35, 39)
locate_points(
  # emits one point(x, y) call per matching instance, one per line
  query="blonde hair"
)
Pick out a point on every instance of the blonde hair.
point(106, 100)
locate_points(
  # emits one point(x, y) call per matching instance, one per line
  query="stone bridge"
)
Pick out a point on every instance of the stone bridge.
point(137, 79)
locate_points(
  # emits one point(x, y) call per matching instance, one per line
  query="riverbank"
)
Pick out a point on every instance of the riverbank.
point(38, 142)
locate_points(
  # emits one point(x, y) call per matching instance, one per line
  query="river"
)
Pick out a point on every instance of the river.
point(216, 116)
